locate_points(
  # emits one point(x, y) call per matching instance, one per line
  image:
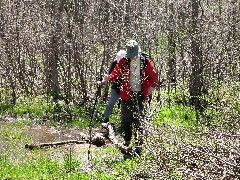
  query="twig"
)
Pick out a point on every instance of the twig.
point(214, 156)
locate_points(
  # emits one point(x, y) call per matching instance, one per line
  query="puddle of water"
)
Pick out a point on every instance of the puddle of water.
point(43, 134)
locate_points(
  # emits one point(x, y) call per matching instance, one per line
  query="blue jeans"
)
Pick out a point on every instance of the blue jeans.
point(112, 101)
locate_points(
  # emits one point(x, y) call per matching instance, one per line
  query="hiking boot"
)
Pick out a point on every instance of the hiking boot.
point(106, 120)
point(105, 125)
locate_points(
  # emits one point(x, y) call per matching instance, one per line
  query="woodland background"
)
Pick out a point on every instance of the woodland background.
point(62, 47)
point(58, 49)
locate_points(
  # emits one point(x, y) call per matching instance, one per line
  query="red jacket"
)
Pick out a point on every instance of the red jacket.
point(122, 71)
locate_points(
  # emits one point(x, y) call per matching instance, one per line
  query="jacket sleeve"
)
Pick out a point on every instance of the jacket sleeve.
point(116, 72)
point(151, 74)
point(113, 65)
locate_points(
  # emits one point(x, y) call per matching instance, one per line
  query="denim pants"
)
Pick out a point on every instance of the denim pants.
point(131, 115)
point(111, 102)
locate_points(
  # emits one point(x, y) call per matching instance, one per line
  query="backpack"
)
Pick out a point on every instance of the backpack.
point(144, 57)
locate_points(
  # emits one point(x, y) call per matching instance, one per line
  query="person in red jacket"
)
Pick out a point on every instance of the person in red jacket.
point(138, 80)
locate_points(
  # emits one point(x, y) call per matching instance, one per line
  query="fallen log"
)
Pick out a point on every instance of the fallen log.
point(52, 144)
point(124, 149)
point(98, 140)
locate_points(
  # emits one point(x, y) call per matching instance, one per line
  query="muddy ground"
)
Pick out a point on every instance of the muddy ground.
point(15, 134)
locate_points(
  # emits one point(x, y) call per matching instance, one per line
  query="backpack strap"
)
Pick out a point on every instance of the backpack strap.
point(126, 61)
point(144, 59)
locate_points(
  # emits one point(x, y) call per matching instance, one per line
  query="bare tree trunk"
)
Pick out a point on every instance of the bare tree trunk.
point(196, 80)
point(104, 29)
point(53, 56)
point(171, 49)
point(79, 49)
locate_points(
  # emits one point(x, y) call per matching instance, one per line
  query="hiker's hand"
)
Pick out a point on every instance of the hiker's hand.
point(150, 90)
point(99, 83)
point(105, 78)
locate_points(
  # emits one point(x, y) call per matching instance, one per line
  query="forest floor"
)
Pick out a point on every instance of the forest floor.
point(15, 134)
point(36, 134)
point(212, 154)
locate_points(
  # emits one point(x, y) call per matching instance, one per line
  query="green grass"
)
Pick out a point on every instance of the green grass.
point(178, 115)
point(40, 169)
point(177, 122)
point(40, 165)
point(16, 162)
point(28, 107)
point(44, 109)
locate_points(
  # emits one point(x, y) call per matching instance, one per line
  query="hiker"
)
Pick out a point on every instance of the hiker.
point(115, 88)
point(138, 80)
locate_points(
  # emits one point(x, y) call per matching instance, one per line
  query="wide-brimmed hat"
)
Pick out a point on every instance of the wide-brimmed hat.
point(132, 49)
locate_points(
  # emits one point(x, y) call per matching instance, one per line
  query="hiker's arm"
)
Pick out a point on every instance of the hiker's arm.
point(104, 80)
point(152, 74)
point(113, 76)
point(116, 73)
point(113, 65)
point(106, 76)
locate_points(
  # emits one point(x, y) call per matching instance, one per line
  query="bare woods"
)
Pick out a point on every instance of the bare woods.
point(61, 47)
